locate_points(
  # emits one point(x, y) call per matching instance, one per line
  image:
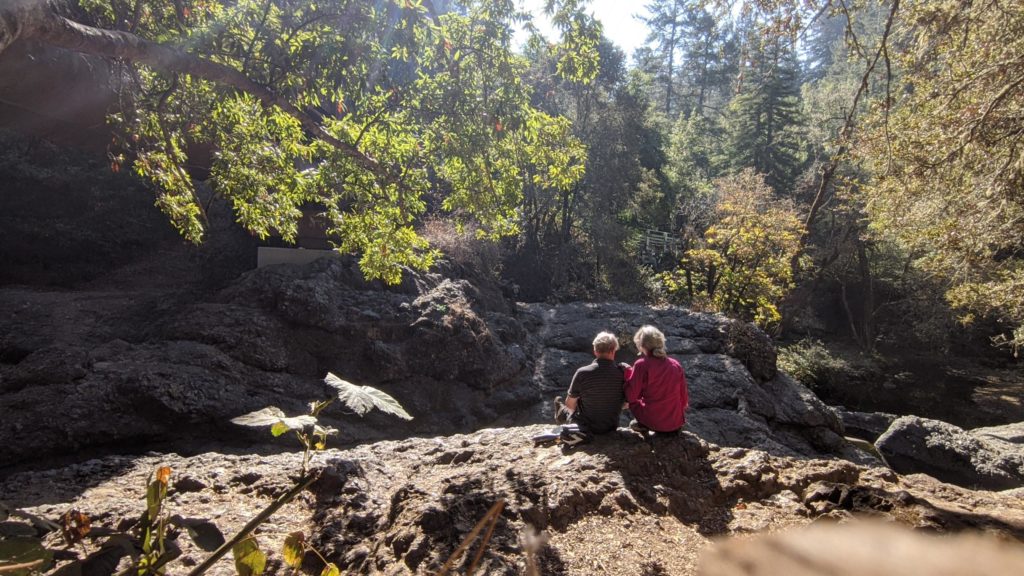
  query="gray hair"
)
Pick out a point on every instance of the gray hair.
point(605, 342)
point(650, 339)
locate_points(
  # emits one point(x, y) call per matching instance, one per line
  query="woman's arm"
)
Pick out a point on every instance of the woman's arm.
point(635, 384)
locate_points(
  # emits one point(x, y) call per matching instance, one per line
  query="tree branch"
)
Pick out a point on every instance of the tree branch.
point(33, 19)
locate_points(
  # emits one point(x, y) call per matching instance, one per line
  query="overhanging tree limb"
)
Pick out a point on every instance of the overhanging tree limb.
point(844, 140)
point(36, 20)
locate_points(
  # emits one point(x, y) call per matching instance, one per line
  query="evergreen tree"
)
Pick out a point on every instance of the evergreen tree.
point(665, 21)
point(709, 59)
point(764, 117)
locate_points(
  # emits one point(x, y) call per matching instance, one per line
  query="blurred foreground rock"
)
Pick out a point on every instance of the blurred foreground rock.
point(863, 549)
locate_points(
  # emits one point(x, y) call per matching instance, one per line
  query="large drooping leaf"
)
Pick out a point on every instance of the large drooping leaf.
point(275, 418)
point(294, 549)
point(24, 550)
point(249, 559)
point(362, 399)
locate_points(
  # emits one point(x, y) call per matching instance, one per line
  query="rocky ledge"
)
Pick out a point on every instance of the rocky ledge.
point(618, 506)
point(108, 370)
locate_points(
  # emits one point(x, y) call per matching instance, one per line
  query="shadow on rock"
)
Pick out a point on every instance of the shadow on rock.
point(664, 475)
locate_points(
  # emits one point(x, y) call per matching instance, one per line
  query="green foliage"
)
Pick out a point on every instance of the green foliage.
point(308, 431)
point(812, 364)
point(396, 102)
point(764, 119)
point(946, 160)
point(741, 266)
point(362, 399)
point(249, 559)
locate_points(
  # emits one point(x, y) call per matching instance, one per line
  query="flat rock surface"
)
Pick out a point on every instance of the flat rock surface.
point(617, 506)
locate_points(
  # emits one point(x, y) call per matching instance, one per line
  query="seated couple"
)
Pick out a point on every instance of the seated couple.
point(654, 388)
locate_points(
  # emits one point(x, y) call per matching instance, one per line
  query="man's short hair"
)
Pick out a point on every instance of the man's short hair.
point(605, 342)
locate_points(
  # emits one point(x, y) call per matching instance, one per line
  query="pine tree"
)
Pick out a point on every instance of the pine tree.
point(764, 117)
point(665, 23)
point(709, 59)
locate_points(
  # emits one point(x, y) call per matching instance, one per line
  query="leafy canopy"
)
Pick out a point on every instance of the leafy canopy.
point(741, 266)
point(947, 156)
point(377, 108)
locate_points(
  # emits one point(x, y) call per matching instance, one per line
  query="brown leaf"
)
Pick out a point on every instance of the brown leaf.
point(74, 526)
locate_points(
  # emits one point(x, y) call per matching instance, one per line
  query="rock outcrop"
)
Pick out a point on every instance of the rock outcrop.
point(865, 425)
point(951, 454)
point(83, 371)
point(619, 506)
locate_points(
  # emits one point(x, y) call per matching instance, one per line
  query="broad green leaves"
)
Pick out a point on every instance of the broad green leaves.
point(742, 265)
point(275, 418)
point(294, 549)
point(373, 106)
point(362, 399)
point(24, 550)
point(330, 570)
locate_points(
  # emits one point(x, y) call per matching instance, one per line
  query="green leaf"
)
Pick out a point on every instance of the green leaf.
point(22, 550)
point(272, 415)
point(155, 494)
point(8, 529)
point(279, 428)
point(294, 549)
point(362, 399)
point(330, 570)
point(249, 559)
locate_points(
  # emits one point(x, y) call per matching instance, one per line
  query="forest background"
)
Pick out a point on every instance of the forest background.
point(847, 170)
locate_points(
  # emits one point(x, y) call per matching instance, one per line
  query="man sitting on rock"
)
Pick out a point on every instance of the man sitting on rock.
point(595, 395)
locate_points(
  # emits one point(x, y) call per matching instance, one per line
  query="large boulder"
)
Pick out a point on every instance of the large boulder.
point(1008, 433)
point(129, 369)
point(951, 454)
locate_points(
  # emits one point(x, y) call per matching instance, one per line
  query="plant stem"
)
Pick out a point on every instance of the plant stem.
point(492, 515)
point(23, 566)
point(300, 485)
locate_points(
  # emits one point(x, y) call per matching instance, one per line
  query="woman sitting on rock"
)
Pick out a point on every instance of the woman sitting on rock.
point(656, 387)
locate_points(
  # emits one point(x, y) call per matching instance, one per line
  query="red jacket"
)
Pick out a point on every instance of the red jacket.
point(657, 394)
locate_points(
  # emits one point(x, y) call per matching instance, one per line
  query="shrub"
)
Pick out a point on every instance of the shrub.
point(463, 246)
point(812, 364)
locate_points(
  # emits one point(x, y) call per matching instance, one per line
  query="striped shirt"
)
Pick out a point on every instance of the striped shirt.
point(598, 387)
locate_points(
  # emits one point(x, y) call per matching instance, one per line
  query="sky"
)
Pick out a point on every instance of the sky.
point(617, 16)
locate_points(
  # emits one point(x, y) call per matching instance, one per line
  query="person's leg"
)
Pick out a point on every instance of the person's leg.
point(561, 412)
point(573, 437)
point(636, 426)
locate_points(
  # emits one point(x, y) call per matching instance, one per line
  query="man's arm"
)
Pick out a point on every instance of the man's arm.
point(572, 397)
point(570, 403)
